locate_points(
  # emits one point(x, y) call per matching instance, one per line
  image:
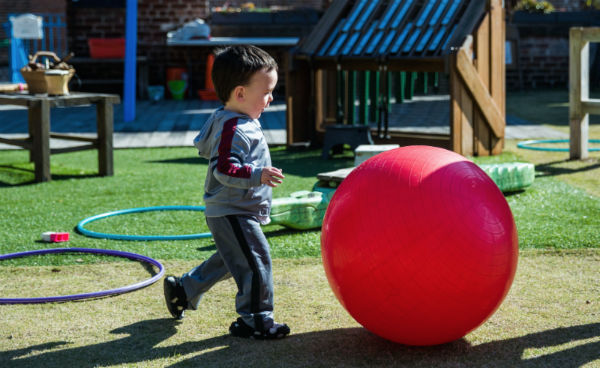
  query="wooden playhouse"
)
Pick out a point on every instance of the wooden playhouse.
point(463, 39)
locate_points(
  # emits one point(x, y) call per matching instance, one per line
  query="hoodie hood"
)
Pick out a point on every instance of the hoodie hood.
point(213, 126)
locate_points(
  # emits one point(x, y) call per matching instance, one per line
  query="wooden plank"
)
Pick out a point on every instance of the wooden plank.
point(40, 113)
point(299, 121)
point(475, 85)
point(82, 147)
point(104, 123)
point(319, 98)
point(455, 107)
point(497, 67)
point(466, 122)
point(578, 91)
point(591, 34)
point(591, 106)
point(466, 24)
point(21, 142)
point(336, 175)
point(481, 134)
point(331, 99)
point(70, 137)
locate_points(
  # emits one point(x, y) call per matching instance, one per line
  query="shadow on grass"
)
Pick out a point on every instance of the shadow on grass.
point(551, 168)
point(15, 176)
point(305, 163)
point(341, 347)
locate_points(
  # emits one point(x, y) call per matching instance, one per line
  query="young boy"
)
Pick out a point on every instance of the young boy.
point(237, 195)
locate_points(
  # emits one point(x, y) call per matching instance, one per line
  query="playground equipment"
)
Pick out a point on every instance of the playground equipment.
point(419, 245)
point(82, 229)
point(368, 43)
point(97, 294)
point(580, 103)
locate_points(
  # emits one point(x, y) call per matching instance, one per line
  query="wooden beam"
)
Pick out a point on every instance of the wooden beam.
point(21, 142)
point(591, 34)
point(455, 107)
point(481, 132)
point(579, 53)
point(69, 137)
point(591, 106)
point(497, 67)
point(475, 85)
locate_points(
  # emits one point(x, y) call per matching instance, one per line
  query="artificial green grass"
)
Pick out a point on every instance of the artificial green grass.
point(550, 214)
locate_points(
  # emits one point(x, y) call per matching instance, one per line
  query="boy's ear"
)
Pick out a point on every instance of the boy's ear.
point(239, 93)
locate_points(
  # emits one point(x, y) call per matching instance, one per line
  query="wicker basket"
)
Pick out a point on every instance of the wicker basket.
point(36, 81)
point(52, 82)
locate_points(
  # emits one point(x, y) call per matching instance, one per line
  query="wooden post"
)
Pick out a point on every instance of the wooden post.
point(104, 123)
point(363, 97)
point(299, 121)
point(39, 113)
point(455, 108)
point(374, 97)
point(497, 68)
point(351, 97)
point(481, 133)
point(578, 91)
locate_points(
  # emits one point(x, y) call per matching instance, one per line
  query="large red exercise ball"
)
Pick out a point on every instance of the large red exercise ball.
point(419, 245)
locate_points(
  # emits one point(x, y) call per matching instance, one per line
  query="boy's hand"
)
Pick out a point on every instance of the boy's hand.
point(271, 176)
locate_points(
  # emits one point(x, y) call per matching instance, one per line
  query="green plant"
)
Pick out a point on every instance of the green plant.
point(593, 4)
point(535, 6)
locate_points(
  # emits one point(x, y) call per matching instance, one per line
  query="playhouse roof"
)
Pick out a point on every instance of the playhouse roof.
point(398, 33)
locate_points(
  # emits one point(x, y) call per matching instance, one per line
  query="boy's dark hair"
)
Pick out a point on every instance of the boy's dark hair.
point(235, 65)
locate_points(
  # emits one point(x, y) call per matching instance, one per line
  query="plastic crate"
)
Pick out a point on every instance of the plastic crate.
point(107, 48)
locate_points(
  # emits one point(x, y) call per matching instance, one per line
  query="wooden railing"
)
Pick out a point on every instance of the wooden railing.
point(580, 103)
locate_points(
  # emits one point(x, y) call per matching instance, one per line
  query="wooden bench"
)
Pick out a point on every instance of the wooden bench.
point(38, 142)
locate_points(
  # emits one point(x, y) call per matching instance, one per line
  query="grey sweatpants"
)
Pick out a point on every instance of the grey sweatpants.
point(242, 252)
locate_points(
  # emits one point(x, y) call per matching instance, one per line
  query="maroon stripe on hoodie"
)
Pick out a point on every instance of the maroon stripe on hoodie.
point(224, 165)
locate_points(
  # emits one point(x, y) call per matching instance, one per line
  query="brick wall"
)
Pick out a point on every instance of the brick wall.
point(544, 62)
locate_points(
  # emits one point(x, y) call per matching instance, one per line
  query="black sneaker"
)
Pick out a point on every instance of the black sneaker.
point(175, 296)
point(239, 328)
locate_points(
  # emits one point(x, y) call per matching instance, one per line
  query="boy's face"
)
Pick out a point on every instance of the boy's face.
point(258, 93)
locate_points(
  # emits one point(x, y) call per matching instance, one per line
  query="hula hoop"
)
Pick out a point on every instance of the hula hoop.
point(98, 294)
point(531, 145)
point(81, 225)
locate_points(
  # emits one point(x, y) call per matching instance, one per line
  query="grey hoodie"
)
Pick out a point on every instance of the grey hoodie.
point(237, 152)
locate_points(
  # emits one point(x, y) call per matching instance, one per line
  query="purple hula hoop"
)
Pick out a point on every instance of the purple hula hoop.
point(98, 294)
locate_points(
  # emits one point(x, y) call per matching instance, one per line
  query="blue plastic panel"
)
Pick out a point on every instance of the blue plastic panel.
point(363, 41)
point(411, 40)
point(331, 38)
point(353, 15)
point(401, 38)
point(401, 14)
point(438, 13)
point(389, 13)
point(387, 42)
point(451, 12)
point(374, 42)
point(350, 43)
point(438, 37)
point(424, 40)
point(372, 5)
point(425, 12)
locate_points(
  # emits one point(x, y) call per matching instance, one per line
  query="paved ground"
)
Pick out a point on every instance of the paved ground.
point(432, 114)
point(175, 123)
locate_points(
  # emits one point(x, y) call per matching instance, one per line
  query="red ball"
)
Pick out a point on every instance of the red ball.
point(419, 245)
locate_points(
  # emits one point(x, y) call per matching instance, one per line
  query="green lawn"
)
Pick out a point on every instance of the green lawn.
point(550, 317)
